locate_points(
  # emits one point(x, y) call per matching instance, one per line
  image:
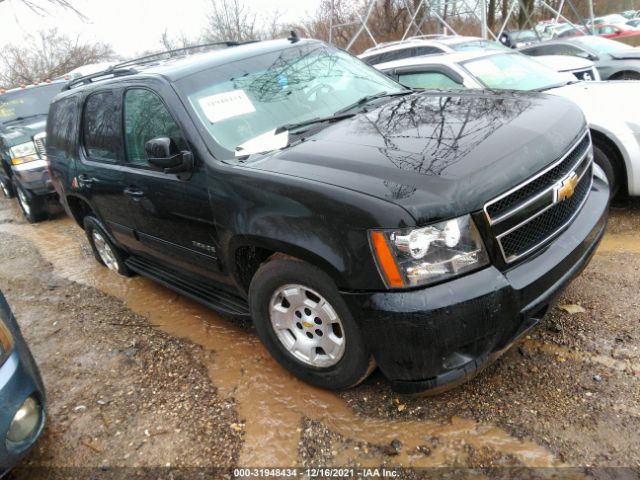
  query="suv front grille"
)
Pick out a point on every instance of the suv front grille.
point(526, 217)
point(40, 141)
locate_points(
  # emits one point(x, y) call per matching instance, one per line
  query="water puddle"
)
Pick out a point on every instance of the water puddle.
point(270, 400)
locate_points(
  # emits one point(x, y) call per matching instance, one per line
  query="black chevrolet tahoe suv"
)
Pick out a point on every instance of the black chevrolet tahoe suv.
point(358, 223)
point(23, 169)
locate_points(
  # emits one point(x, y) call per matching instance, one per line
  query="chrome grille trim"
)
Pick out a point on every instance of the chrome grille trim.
point(493, 221)
point(555, 233)
point(537, 214)
point(40, 140)
point(530, 201)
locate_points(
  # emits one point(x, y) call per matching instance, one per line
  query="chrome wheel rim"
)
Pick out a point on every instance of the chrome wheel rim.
point(24, 202)
point(5, 189)
point(105, 251)
point(307, 326)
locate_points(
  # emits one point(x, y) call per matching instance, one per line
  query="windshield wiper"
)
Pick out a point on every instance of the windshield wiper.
point(368, 98)
point(295, 126)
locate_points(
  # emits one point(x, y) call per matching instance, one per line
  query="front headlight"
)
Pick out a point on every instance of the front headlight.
point(23, 153)
point(6, 343)
point(421, 256)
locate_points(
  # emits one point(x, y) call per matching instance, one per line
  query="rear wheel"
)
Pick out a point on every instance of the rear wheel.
point(626, 76)
point(604, 156)
point(7, 188)
point(103, 248)
point(306, 325)
point(33, 207)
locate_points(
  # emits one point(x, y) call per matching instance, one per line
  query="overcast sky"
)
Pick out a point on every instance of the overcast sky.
point(131, 26)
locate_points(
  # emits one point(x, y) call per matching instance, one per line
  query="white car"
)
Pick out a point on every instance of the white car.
point(611, 108)
point(426, 45)
point(581, 68)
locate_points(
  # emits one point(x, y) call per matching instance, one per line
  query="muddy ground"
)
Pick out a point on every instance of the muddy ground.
point(138, 376)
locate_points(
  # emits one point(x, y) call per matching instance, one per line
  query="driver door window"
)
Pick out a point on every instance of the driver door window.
point(146, 117)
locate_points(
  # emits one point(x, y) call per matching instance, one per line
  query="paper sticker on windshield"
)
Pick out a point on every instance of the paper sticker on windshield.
point(226, 105)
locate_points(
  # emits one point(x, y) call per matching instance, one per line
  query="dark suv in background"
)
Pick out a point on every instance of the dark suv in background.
point(356, 221)
point(23, 169)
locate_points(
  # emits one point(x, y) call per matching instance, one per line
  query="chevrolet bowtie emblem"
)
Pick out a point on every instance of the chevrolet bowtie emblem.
point(567, 188)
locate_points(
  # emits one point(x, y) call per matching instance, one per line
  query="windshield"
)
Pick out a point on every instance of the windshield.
point(477, 45)
point(601, 45)
point(27, 102)
point(514, 71)
point(247, 100)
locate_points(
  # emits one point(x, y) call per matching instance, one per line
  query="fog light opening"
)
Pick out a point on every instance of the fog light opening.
point(25, 422)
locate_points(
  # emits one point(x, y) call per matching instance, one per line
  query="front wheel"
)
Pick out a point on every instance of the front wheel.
point(33, 207)
point(7, 188)
point(306, 325)
point(103, 248)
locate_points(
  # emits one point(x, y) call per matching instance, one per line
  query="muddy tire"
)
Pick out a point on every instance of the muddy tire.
point(606, 159)
point(103, 248)
point(306, 325)
point(7, 188)
point(33, 207)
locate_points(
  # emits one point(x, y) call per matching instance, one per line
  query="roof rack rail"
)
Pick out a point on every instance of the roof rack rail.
point(123, 68)
point(110, 72)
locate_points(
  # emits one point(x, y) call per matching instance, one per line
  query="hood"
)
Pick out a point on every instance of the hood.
point(632, 53)
point(564, 63)
point(436, 155)
point(20, 132)
point(605, 103)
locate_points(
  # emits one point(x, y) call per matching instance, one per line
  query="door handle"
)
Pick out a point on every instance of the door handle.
point(133, 192)
point(84, 178)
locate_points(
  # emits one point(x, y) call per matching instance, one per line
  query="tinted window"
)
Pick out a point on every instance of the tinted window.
point(62, 125)
point(426, 51)
point(27, 102)
point(101, 127)
point(427, 80)
point(565, 49)
point(146, 117)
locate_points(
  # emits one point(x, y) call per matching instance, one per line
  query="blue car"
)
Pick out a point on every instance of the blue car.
point(22, 399)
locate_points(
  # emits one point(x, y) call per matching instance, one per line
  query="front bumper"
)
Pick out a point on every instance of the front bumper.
point(438, 336)
point(19, 380)
point(34, 177)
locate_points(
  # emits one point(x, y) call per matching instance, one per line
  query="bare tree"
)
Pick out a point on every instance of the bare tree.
point(231, 20)
point(40, 6)
point(46, 55)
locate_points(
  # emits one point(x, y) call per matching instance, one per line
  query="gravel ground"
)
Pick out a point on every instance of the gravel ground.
point(122, 393)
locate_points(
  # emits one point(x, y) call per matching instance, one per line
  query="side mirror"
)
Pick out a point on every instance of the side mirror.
point(163, 153)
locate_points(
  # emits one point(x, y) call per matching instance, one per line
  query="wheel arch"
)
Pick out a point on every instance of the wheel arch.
point(247, 253)
point(601, 137)
point(79, 208)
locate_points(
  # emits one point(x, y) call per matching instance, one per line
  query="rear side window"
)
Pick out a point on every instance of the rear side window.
point(101, 127)
point(146, 117)
point(62, 126)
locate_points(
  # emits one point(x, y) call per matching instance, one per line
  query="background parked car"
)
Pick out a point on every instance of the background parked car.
point(623, 33)
point(634, 23)
point(614, 60)
point(22, 397)
point(23, 169)
point(518, 38)
point(613, 118)
point(425, 45)
point(580, 68)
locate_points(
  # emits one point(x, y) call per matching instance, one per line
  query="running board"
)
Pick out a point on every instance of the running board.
point(210, 296)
